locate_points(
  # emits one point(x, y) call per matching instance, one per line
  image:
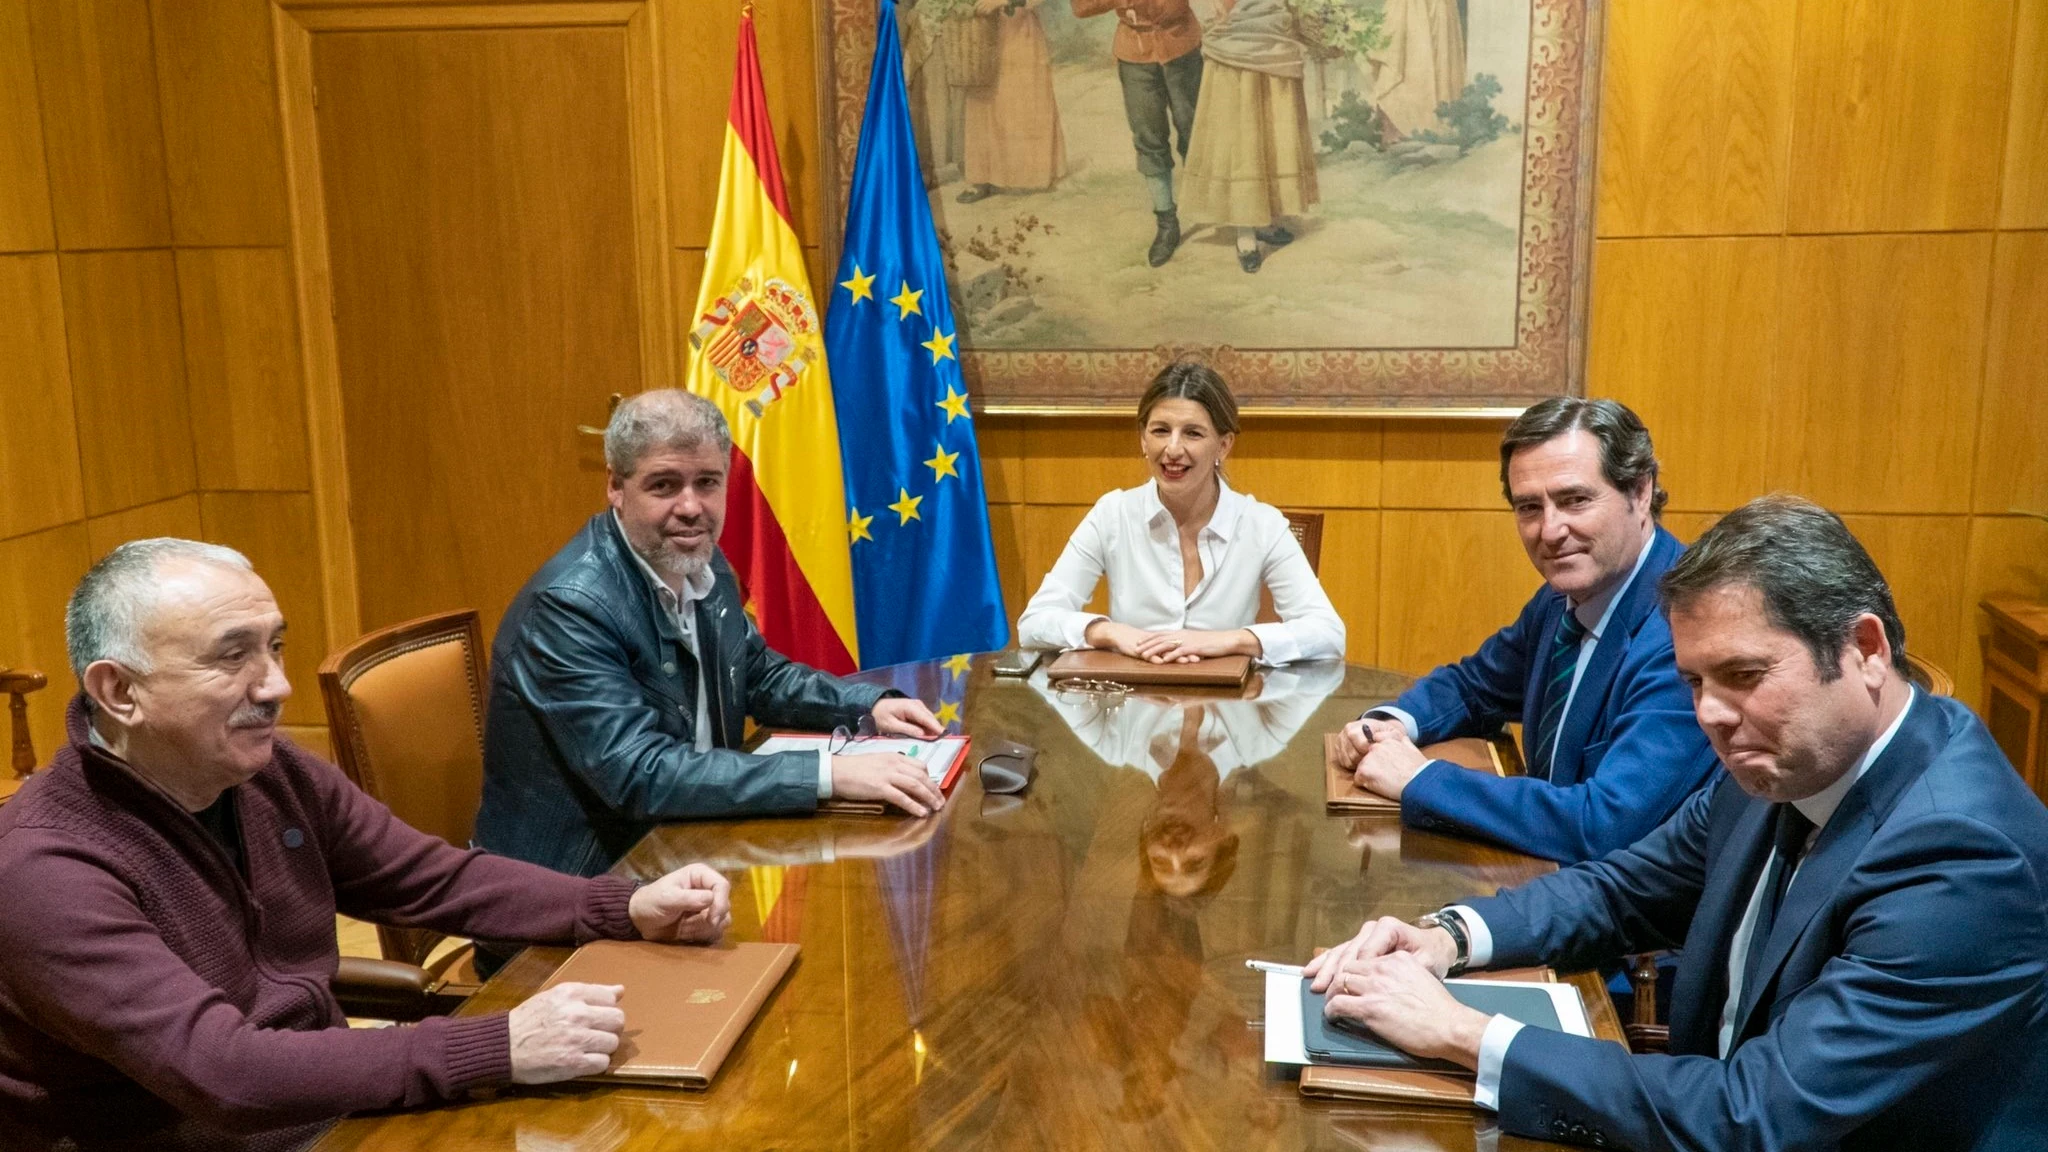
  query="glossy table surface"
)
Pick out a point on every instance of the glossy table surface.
point(1061, 970)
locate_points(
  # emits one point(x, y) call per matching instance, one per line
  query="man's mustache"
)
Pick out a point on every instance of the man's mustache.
point(256, 715)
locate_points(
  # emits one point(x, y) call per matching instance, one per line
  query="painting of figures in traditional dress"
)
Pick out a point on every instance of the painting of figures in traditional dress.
point(1351, 203)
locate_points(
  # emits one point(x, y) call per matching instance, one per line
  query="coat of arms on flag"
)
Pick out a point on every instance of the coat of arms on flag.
point(759, 339)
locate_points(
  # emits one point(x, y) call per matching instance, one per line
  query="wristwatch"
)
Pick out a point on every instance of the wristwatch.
point(1449, 920)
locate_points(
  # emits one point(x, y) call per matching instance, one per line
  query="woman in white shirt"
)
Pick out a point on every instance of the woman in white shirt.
point(1185, 554)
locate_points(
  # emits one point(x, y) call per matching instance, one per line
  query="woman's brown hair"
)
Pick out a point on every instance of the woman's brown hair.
point(1190, 379)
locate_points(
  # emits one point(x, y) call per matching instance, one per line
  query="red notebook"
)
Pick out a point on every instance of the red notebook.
point(943, 758)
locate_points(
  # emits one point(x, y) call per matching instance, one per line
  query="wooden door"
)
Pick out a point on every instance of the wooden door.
point(483, 184)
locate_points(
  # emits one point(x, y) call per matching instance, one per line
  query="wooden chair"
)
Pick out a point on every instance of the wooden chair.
point(1308, 532)
point(17, 683)
point(1644, 1033)
point(1930, 676)
point(405, 710)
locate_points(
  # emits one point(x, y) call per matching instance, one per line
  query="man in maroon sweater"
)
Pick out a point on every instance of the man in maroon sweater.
point(168, 890)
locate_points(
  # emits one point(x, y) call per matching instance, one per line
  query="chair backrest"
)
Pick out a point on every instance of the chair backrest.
point(405, 709)
point(1931, 676)
point(1308, 532)
point(17, 683)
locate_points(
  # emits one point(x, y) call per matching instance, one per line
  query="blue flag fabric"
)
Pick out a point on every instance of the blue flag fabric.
point(924, 569)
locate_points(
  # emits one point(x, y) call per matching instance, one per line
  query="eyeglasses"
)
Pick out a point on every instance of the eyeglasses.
point(843, 738)
point(1078, 690)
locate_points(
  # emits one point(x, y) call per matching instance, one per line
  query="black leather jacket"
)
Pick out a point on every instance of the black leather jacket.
point(590, 739)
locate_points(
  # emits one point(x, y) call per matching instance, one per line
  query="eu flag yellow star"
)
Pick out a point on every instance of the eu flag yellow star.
point(955, 404)
point(941, 464)
point(906, 301)
point(862, 286)
point(957, 664)
point(905, 506)
point(948, 713)
point(857, 527)
point(941, 345)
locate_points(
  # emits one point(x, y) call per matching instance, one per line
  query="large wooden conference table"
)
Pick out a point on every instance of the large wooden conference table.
point(1060, 970)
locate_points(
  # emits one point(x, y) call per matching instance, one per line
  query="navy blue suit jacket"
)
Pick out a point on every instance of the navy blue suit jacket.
point(1900, 1001)
point(1630, 752)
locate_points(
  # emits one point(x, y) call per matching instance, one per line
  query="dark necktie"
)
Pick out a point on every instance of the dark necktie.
point(1788, 843)
point(1564, 660)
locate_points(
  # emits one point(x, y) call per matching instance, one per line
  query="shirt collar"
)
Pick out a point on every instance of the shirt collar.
point(1596, 609)
point(1821, 806)
point(1229, 506)
point(696, 586)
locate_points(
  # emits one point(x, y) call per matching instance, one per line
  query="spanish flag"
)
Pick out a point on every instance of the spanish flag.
point(757, 351)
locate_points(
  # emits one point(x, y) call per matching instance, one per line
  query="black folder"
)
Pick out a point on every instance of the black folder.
point(1346, 1043)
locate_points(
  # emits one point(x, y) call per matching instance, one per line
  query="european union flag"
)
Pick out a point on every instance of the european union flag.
point(924, 571)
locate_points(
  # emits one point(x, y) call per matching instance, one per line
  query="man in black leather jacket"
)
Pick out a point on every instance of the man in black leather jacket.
point(602, 722)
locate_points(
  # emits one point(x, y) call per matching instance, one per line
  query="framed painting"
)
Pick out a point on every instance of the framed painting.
point(1347, 206)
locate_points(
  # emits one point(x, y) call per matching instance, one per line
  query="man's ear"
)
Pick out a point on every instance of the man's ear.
point(111, 688)
point(1871, 650)
point(614, 489)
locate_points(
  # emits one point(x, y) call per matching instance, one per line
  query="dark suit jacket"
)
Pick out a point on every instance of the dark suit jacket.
point(1630, 752)
point(1900, 1001)
point(590, 737)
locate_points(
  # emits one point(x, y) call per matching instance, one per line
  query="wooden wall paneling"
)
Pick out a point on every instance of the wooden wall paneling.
point(178, 516)
point(1880, 369)
point(1448, 580)
point(1441, 464)
point(1898, 115)
point(275, 531)
point(37, 574)
point(482, 247)
point(699, 44)
point(1683, 332)
point(684, 280)
point(1688, 526)
point(1046, 528)
point(102, 135)
point(222, 147)
point(24, 177)
point(2012, 439)
point(2023, 203)
point(1351, 575)
point(2008, 555)
point(127, 377)
point(1291, 462)
point(1075, 461)
point(1006, 532)
point(1001, 441)
point(243, 369)
point(1695, 116)
point(650, 198)
point(39, 477)
point(314, 739)
point(1917, 555)
point(313, 301)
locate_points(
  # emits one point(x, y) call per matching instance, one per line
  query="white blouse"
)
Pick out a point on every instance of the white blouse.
point(1131, 537)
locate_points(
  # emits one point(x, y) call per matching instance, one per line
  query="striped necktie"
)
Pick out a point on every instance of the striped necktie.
point(1557, 688)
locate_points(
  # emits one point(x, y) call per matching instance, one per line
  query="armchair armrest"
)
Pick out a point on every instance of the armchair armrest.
point(385, 990)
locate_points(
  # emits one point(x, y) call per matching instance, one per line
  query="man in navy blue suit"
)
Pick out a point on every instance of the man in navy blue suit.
point(1607, 728)
point(1863, 897)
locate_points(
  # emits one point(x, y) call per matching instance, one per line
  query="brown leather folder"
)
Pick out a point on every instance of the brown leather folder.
point(1342, 794)
point(685, 1006)
point(1095, 664)
point(1439, 1089)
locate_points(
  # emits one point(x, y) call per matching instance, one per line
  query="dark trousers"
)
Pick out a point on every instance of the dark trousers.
point(1159, 102)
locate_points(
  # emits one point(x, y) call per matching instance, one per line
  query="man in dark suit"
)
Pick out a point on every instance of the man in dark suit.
point(1863, 898)
point(1607, 728)
point(624, 672)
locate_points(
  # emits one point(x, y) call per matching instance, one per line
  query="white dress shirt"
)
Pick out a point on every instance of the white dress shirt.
point(1131, 537)
point(682, 611)
point(1819, 808)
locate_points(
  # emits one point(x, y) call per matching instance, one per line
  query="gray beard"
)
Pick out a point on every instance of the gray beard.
point(681, 565)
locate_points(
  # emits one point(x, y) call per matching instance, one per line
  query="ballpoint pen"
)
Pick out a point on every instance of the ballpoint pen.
point(1270, 966)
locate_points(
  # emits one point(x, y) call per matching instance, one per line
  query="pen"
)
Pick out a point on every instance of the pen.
point(1269, 966)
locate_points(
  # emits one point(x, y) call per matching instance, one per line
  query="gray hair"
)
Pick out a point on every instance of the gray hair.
point(118, 595)
point(1626, 455)
point(664, 418)
point(1813, 574)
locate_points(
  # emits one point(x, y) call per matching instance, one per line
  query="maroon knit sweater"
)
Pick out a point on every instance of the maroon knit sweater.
point(149, 997)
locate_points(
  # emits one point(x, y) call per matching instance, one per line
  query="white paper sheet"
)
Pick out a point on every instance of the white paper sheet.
point(937, 756)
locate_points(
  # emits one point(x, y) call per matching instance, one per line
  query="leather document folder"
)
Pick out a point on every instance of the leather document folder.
point(1095, 664)
point(1341, 792)
point(1443, 1089)
point(685, 1006)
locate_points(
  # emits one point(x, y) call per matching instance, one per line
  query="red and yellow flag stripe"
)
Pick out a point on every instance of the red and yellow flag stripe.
point(785, 530)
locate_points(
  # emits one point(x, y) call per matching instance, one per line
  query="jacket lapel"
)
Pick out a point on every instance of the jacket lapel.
point(1638, 601)
point(1536, 678)
point(1695, 1018)
point(1841, 843)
